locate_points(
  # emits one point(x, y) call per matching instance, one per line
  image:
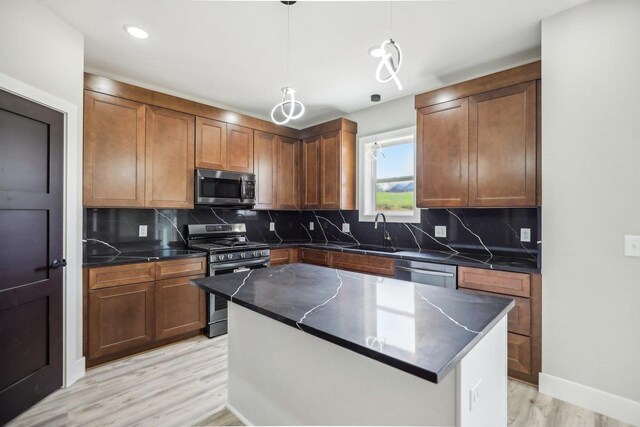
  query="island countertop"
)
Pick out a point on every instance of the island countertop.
point(420, 329)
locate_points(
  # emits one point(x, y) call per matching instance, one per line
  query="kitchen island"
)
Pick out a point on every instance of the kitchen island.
point(315, 345)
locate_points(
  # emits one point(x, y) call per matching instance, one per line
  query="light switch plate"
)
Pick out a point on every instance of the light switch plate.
point(311, 226)
point(272, 226)
point(632, 246)
point(142, 231)
point(346, 227)
point(441, 230)
point(525, 234)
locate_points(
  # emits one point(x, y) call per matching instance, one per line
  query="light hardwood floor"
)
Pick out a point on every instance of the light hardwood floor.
point(185, 384)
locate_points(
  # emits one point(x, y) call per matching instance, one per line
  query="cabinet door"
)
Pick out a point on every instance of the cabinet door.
point(114, 151)
point(239, 149)
point(442, 155)
point(211, 144)
point(170, 159)
point(330, 171)
point(311, 173)
point(288, 172)
point(264, 166)
point(502, 147)
point(180, 307)
point(121, 318)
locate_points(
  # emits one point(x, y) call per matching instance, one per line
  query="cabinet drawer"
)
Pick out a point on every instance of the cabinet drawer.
point(181, 267)
point(106, 277)
point(362, 263)
point(313, 256)
point(519, 353)
point(501, 282)
point(519, 318)
point(121, 318)
point(180, 307)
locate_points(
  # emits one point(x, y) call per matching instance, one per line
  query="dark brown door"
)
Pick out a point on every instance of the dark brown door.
point(288, 182)
point(31, 165)
point(502, 147)
point(311, 173)
point(442, 155)
point(170, 160)
point(330, 171)
point(264, 166)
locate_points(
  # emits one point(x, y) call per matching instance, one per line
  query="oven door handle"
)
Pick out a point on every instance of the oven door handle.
point(425, 272)
point(237, 264)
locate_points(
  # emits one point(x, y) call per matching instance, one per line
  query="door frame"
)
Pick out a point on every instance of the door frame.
point(72, 359)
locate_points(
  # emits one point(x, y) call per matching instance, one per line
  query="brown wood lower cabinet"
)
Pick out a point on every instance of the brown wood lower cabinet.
point(123, 318)
point(120, 318)
point(524, 319)
point(284, 256)
point(345, 261)
point(180, 307)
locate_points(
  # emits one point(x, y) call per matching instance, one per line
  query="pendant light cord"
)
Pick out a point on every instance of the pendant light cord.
point(390, 19)
point(288, 40)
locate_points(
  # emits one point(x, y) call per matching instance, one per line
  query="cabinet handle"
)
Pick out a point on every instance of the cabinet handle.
point(425, 272)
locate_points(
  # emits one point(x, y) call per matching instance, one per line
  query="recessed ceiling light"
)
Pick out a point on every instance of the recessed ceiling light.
point(136, 32)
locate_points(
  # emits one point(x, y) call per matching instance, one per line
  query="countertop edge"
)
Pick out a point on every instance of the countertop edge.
point(140, 260)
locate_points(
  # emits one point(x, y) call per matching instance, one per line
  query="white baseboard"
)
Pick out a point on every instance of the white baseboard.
point(238, 415)
point(608, 404)
point(75, 371)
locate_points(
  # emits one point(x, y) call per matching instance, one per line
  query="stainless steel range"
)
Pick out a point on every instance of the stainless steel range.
point(229, 252)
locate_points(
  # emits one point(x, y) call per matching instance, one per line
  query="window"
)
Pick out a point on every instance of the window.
point(387, 176)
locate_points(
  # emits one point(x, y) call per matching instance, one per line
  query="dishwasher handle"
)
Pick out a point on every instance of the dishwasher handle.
point(425, 272)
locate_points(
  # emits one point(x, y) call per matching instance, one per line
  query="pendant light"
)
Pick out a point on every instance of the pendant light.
point(289, 108)
point(390, 56)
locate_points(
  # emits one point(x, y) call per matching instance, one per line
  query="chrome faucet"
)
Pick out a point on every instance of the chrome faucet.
point(385, 235)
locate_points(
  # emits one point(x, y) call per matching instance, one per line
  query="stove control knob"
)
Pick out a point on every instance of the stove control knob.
point(256, 253)
point(243, 255)
point(220, 257)
point(230, 256)
point(265, 253)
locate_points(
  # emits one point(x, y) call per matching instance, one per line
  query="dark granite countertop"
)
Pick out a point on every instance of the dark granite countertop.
point(101, 260)
point(497, 262)
point(420, 329)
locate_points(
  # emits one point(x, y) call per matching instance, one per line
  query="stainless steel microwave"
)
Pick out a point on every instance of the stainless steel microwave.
point(225, 189)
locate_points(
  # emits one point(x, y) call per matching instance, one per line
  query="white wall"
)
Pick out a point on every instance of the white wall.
point(41, 51)
point(591, 199)
point(397, 114)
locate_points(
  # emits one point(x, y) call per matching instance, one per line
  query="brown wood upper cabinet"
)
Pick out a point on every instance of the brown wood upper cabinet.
point(443, 155)
point(311, 173)
point(211, 144)
point(477, 142)
point(502, 147)
point(239, 149)
point(276, 165)
point(329, 171)
point(114, 151)
point(169, 159)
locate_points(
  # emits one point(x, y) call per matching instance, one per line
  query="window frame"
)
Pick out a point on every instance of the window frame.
point(367, 175)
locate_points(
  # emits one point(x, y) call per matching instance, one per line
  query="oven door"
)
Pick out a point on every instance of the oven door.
point(221, 188)
point(217, 306)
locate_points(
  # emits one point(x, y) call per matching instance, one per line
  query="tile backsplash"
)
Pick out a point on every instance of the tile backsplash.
point(491, 231)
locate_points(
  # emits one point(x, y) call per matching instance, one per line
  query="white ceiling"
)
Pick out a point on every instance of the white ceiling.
point(232, 53)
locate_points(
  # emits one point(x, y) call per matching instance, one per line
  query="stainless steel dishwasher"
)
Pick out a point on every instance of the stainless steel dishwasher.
point(426, 273)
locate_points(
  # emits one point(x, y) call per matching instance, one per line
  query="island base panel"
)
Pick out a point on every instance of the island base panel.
point(279, 375)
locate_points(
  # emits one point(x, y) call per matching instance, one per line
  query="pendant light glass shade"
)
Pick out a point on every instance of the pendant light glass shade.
point(288, 109)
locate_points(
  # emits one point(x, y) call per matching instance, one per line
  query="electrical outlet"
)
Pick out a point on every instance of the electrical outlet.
point(525, 234)
point(272, 226)
point(441, 230)
point(632, 245)
point(346, 227)
point(311, 226)
point(142, 231)
point(474, 395)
